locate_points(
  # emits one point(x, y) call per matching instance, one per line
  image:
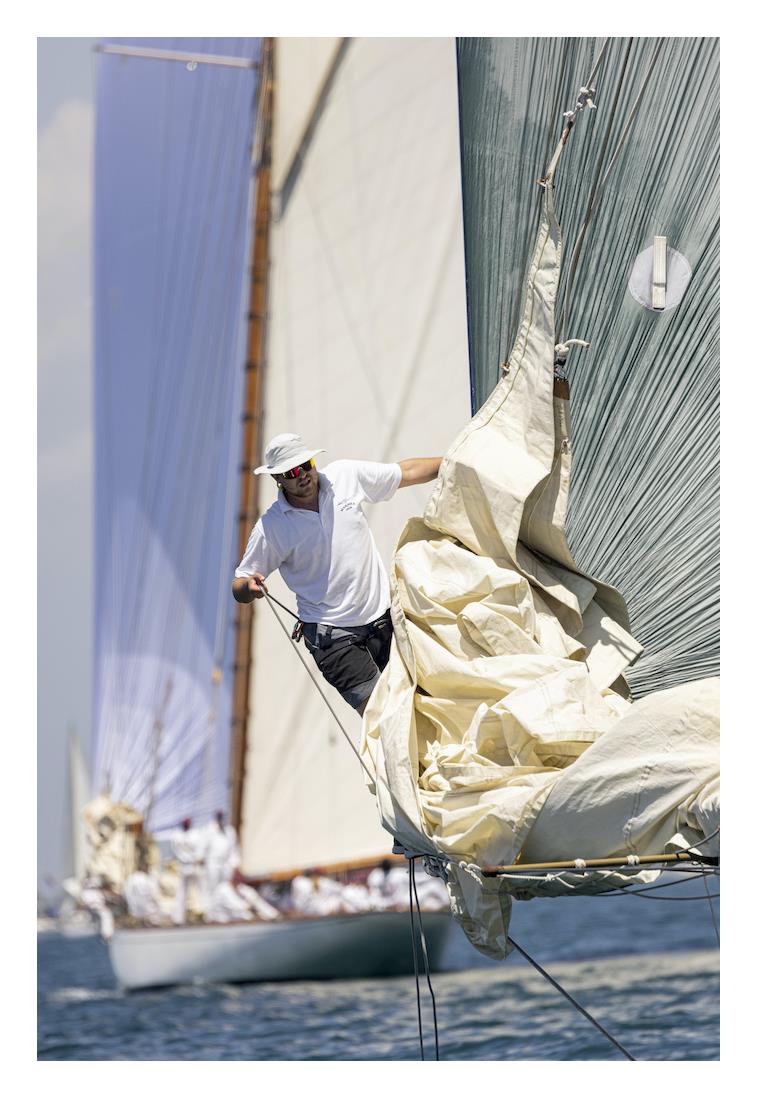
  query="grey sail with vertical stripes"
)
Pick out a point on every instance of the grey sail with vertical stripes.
point(645, 403)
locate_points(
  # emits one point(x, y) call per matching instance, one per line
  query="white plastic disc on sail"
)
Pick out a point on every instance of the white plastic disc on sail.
point(678, 275)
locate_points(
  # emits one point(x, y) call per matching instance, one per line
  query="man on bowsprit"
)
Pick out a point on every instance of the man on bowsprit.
point(316, 534)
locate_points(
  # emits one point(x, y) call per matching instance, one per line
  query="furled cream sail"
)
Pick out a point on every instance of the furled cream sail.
point(508, 662)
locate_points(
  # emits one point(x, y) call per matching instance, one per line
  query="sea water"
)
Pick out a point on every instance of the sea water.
point(647, 969)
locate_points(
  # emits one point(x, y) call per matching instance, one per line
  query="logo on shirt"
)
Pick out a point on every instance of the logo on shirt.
point(346, 505)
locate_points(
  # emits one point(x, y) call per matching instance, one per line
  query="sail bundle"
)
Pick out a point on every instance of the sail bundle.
point(502, 726)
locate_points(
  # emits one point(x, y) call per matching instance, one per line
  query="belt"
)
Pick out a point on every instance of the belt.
point(322, 636)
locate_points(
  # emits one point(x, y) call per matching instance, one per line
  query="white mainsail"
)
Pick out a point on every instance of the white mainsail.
point(367, 357)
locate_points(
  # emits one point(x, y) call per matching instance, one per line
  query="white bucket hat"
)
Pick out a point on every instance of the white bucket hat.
point(285, 452)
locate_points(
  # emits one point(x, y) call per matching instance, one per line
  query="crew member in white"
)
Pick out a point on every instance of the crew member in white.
point(188, 845)
point(222, 856)
point(316, 534)
point(142, 896)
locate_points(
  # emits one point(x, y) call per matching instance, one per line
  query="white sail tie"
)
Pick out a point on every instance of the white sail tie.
point(562, 349)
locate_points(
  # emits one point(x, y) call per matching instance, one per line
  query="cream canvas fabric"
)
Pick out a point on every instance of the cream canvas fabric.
point(507, 663)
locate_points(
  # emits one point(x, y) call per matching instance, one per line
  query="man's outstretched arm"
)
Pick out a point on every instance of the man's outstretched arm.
point(417, 471)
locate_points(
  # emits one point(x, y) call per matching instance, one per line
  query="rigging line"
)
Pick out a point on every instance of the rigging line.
point(584, 98)
point(373, 779)
point(352, 325)
point(598, 62)
point(427, 967)
point(706, 839)
point(623, 889)
point(710, 905)
point(580, 239)
point(541, 875)
point(647, 897)
point(275, 600)
point(415, 958)
point(571, 999)
point(614, 158)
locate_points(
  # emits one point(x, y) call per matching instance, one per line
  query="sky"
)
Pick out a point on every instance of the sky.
point(64, 427)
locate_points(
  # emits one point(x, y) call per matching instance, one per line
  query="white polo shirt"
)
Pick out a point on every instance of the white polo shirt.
point(328, 558)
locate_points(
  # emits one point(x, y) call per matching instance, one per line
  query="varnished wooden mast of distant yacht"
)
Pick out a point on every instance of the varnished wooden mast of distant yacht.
point(252, 420)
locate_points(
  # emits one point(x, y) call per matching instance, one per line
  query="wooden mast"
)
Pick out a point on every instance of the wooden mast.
point(252, 418)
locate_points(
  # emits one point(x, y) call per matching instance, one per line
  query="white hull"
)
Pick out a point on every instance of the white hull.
point(371, 944)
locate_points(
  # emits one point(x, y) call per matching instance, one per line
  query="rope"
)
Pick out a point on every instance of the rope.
point(412, 869)
point(646, 890)
point(291, 613)
point(594, 200)
point(571, 999)
point(415, 964)
point(303, 661)
point(585, 98)
point(595, 70)
point(710, 905)
point(706, 839)
point(427, 967)
point(562, 349)
point(590, 203)
point(645, 894)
